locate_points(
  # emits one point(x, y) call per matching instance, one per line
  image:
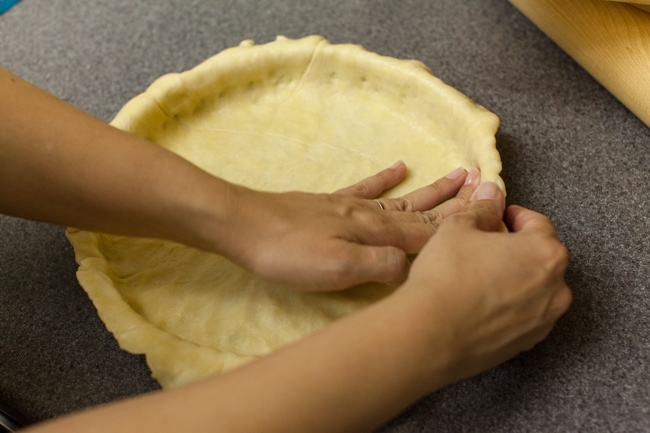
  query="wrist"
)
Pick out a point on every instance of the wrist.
point(203, 214)
point(433, 344)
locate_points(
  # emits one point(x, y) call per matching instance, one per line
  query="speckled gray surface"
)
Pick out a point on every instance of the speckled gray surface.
point(569, 149)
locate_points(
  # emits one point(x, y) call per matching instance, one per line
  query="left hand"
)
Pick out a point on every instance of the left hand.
point(335, 241)
point(486, 295)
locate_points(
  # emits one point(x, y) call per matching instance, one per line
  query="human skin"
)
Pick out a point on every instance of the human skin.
point(474, 298)
point(60, 165)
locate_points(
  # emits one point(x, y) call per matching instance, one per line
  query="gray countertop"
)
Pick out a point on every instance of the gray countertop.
point(569, 150)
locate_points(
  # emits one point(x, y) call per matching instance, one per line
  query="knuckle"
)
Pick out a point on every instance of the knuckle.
point(558, 303)
point(563, 255)
point(430, 217)
point(371, 219)
point(402, 204)
point(564, 300)
point(343, 269)
point(360, 189)
point(356, 266)
point(340, 270)
point(343, 210)
point(555, 256)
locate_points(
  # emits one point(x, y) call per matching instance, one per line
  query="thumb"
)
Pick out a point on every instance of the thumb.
point(487, 205)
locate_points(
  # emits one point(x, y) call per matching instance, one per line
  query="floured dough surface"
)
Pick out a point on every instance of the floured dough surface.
point(288, 115)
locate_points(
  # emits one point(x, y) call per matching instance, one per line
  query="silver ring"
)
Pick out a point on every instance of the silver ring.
point(381, 205)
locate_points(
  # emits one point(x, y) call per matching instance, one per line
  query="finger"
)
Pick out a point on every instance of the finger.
point(430, 196)
point(404, 230)
point(459, 202)
point(527, 341)
point(485, 210)
point(374, 185)
point(561, 302)
point(520, 219)
point(383, 264)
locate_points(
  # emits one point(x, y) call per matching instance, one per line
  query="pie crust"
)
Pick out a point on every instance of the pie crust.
point(288, 115)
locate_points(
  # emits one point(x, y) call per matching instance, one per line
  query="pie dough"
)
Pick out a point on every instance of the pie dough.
point(287, 115)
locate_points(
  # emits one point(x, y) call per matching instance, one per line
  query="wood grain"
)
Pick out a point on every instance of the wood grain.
point(641, 4)
point(610, 39)
point(634, 2)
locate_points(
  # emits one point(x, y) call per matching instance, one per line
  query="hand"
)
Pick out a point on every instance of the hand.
point(492, 294)
point(334, 241)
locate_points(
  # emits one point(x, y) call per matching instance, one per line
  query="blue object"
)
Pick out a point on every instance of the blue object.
point(6, 4)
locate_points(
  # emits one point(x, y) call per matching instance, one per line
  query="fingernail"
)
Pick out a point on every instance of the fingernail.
point(460, 171)
point(397, 164)
point(472, 176)
point(486, 191)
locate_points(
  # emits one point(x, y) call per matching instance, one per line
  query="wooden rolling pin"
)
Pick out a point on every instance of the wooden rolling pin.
point(610, 39)
point(641, 4)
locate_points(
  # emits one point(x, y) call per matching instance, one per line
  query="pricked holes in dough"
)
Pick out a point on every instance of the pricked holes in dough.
point(279, 78)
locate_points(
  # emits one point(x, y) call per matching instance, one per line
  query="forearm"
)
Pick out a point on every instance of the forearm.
point(473, 299)
point(351, 376)
point(60, 165)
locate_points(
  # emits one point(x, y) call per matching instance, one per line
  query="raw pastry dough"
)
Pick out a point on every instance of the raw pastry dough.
point(287, 115)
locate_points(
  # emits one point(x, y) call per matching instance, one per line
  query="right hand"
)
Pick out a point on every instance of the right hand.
point(493, 294)
point(335, 241)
